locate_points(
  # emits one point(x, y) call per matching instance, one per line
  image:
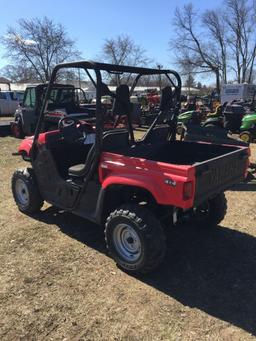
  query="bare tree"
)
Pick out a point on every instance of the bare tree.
point(190, 81)
point(192, 47)
point(19, 73)
point(123, 51)
point(241, 21)
point(214, 21)
point(39, 44)
point(225, 43)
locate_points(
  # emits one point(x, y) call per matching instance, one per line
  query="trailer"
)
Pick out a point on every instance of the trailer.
point(230, 92)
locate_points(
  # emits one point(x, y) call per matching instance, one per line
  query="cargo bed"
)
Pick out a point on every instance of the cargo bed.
point(216, 167)
point(179, 152)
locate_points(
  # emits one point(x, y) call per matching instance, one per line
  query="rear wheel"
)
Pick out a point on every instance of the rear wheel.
point(135, 239)
point(25, 191)
point(211, 212)
point(246, 136)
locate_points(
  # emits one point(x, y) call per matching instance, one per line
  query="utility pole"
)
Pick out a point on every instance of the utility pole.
point(159, 66)
point(79, 78)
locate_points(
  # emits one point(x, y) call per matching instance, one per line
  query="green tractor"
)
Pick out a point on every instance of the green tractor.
point(234, 118)
point(198, 118)
point(188, 117)
point(215, 119)
point(248, 128)
point(195, 113)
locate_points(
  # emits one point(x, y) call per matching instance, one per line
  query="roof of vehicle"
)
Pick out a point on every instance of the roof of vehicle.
point(113, 67)
point(44, 85)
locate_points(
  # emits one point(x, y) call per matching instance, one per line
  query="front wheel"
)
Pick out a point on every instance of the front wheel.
point(135, 239)
point(245, 136)
point(25, 191)
point(210, 213)
point(179, 129)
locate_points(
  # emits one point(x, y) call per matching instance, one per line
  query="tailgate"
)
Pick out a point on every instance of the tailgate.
point(217, 175)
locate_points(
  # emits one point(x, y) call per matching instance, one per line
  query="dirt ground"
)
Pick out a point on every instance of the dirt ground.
point(58, 283)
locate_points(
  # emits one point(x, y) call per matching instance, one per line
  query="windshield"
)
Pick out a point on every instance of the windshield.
point(61, 96)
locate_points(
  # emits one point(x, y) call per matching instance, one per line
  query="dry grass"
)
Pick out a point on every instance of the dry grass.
point(56, 281)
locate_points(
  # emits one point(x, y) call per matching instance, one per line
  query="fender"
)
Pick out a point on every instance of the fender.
point(135, 181)
point(25, 146)
point(166, 190)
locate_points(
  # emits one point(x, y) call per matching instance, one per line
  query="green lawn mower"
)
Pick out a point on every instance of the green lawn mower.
point(234, 118)
point(248, 128)
point(188, 117)
point(216, 118)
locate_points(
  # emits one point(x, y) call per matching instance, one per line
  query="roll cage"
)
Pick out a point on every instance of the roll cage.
point(102, 89)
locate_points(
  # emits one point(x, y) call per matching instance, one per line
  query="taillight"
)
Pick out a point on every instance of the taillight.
point(187, 190)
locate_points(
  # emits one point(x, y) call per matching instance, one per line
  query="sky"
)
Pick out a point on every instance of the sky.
point(89, 23)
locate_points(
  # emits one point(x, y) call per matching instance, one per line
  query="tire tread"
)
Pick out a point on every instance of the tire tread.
point(35, 198)
point(151, 229)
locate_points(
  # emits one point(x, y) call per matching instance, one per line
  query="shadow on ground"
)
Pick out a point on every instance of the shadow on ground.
point(211, 270)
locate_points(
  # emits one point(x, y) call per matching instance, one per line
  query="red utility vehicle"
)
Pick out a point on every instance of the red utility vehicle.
point(132, 187)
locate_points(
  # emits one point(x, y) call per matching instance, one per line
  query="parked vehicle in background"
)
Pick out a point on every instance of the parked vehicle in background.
point(231, 92)
point(9, 102)
point(149, 102)
point(216, 118)
point(64, 99)
point(19, 95)
point(189, 117)
point(248, 128)
point(236, 118)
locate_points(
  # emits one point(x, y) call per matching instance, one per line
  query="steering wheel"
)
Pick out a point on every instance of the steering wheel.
point(71, 129)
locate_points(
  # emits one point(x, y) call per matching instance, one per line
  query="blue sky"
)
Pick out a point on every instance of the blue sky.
point(149, 23)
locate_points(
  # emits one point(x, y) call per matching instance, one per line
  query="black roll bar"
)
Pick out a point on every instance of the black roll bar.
point(98, 67)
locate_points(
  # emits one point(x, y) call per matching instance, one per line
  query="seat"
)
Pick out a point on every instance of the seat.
point(76, 170)
point(158, 134)
point(115, 139)
point(136, 113)
point(166, 102)
point(122, 107)
point(80, 169)
point(161, 132)
point(112, 140)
